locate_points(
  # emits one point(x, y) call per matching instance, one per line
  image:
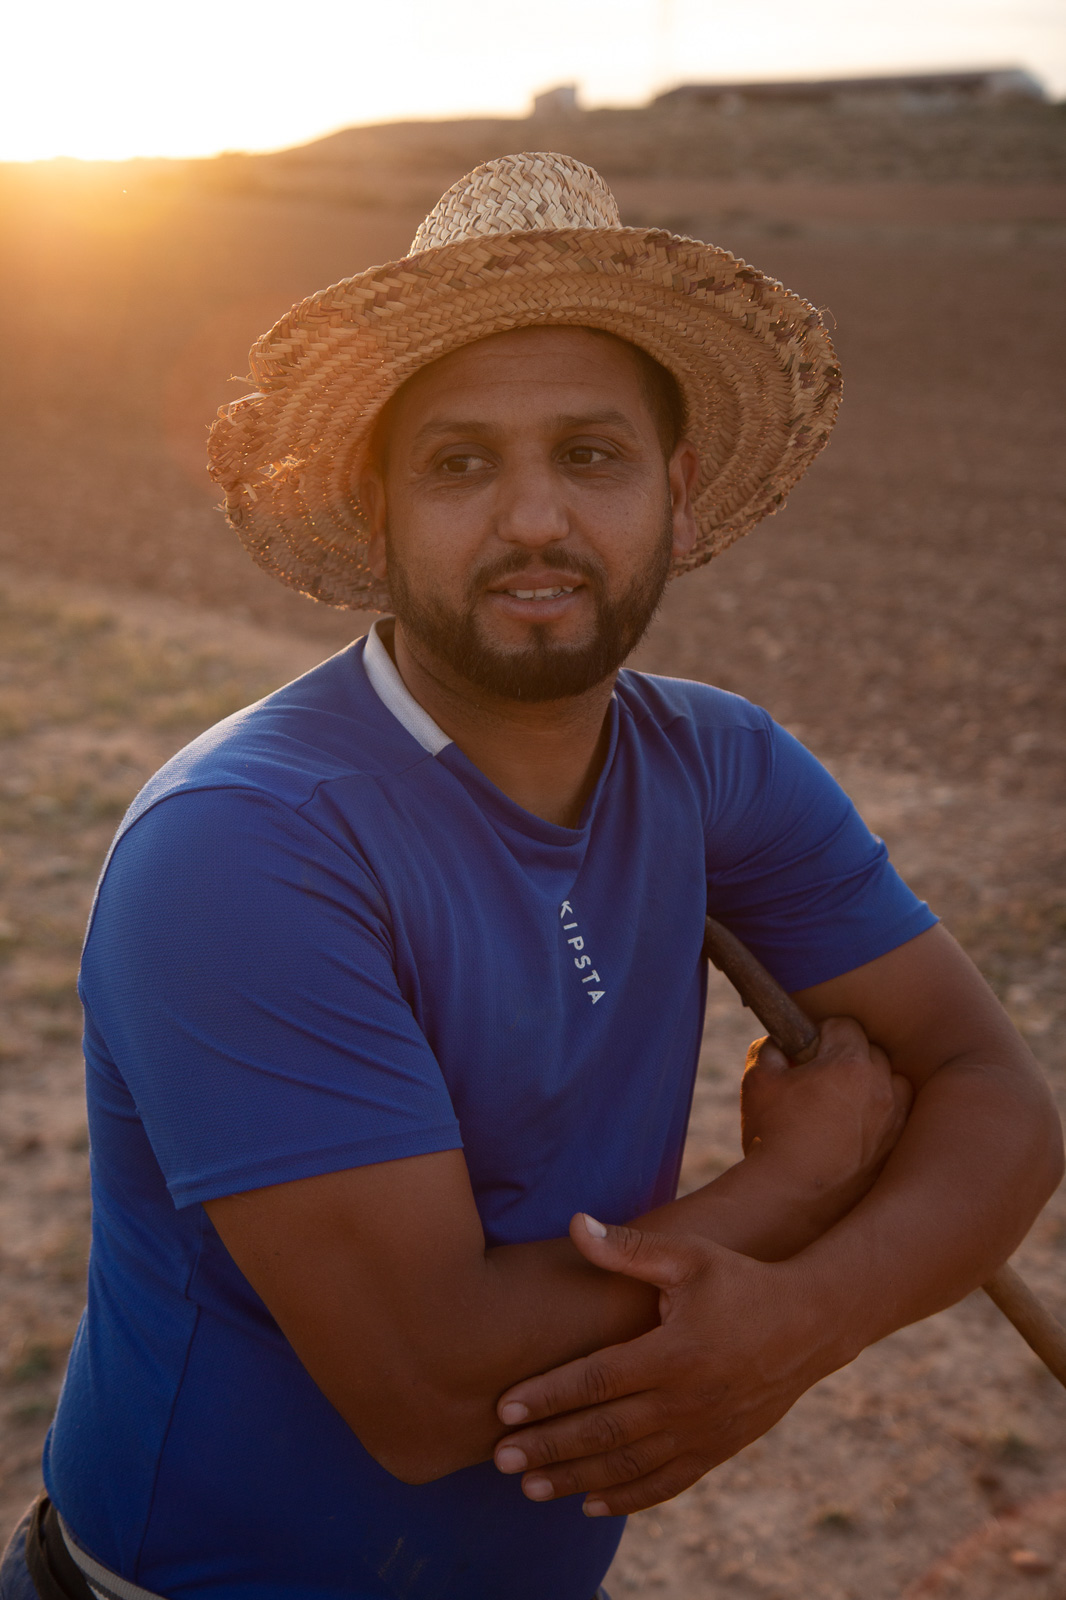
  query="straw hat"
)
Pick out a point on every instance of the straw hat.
point(525, 240)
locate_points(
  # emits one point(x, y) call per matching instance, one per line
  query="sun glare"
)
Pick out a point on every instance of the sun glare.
point(122, 78)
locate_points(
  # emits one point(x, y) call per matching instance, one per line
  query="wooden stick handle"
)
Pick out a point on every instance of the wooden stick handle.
point(779, 1014)
point(793, 1030)
point(1043, 1333)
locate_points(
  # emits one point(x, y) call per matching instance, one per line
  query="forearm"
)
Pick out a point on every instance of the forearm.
point(540, 1305)
point(753, 1208)
point(980, 1156)
point(546, 1295)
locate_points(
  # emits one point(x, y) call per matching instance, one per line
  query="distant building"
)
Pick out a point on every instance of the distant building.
point(558, 102)
point(910, 91)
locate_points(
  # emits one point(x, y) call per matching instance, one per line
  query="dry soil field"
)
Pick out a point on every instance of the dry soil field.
point(903, 615)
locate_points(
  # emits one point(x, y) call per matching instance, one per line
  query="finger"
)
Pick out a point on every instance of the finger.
point(841, 1036)
point(598, 1473)
point(648, 1491)
point(765, 1064)
point(765, 1056)
point(657, 1258)
point(609, 1374)
point(902, 1095)
point(593, 1432)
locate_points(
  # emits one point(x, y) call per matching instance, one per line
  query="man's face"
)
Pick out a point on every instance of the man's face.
point(525, 517)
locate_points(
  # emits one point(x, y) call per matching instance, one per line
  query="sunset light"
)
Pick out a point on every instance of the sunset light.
point(122, 79)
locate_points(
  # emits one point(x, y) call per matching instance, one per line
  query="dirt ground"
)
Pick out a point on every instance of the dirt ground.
point(903, 615)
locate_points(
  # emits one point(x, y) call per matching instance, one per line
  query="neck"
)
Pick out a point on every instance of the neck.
point(545, 757)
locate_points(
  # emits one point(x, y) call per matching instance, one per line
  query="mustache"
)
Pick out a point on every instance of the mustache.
point(565, 562)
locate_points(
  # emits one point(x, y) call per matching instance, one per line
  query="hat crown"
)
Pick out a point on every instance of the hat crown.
point(518, 194)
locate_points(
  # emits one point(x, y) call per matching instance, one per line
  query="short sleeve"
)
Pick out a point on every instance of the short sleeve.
point(239, 970)
point(792, 868)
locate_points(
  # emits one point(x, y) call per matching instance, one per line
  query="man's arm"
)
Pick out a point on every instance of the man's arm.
point(380, 1278)
point(741, 1340)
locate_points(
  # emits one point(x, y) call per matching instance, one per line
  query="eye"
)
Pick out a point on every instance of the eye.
point(584, 455)
point(461, 466)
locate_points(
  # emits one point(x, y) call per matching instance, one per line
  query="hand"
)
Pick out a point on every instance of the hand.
point(636, 1423)
point(828, 1127)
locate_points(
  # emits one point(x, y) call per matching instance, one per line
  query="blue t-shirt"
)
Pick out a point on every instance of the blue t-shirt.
point(325, 939)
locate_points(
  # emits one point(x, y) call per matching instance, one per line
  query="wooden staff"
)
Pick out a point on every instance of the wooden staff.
point(795, 1033)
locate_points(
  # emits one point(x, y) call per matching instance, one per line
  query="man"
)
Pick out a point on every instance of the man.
point(396, 974)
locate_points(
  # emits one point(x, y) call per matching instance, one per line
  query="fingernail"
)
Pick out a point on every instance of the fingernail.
point(513, 1413)
point(537, 1489)
point(596, 1508)
point(597, 1229)
point(511, 1459)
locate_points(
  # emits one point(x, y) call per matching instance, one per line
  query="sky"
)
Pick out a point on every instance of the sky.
point(121, 78)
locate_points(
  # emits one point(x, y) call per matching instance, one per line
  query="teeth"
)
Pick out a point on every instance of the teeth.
point(539, 594)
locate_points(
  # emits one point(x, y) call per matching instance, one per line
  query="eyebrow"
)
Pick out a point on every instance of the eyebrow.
point(450, 427)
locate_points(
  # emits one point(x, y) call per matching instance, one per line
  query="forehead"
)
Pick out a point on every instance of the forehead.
point(520, 365)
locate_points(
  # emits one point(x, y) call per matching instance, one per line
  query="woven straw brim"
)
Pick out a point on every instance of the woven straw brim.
point(757, 368)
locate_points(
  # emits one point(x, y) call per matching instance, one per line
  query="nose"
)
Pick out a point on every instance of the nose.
point(531, 509)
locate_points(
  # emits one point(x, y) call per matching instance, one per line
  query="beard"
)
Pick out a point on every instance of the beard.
point(542, 669)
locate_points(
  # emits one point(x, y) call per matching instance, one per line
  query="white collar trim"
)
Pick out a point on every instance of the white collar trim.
point(396, 697)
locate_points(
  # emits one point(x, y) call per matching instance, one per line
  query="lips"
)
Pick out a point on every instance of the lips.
point(534, 584)
point(539, 594)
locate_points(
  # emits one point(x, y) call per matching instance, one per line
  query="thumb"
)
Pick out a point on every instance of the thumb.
point(766, 1056)
point(654, 1258)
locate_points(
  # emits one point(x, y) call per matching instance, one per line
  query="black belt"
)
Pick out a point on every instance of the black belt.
point(62, 1570)
point(50, 1563)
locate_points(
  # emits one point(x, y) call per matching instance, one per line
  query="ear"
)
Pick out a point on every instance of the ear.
point(683, 469)
point(372, 501)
